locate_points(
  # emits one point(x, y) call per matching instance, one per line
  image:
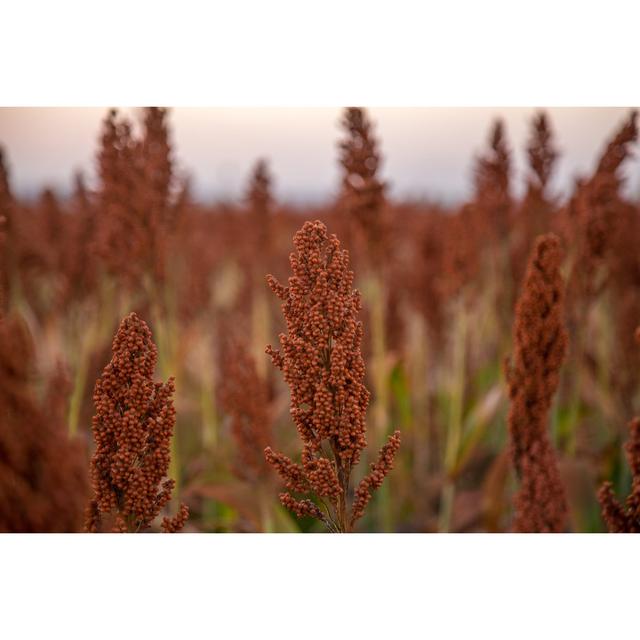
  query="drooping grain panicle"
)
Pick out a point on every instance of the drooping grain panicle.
point(540, 345)
point(322, 363)
point(132, 428)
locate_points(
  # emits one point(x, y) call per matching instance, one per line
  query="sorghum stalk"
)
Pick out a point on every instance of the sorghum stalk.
point(88, 342)
point(454, 431)
point(260, 208)
point(168, 340)
point(364, 206)
point(418, 363)
point(260, 328)
point(375, 293)
point(207, 398)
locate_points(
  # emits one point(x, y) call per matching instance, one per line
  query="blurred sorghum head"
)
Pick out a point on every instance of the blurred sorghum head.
point(244, 397)
point(540, 345)
point(43, 479)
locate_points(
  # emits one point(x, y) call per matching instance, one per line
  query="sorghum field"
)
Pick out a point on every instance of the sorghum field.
point(366, 365)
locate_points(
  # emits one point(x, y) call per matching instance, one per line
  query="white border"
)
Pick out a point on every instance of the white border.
point(319, 586)
point(288, 52)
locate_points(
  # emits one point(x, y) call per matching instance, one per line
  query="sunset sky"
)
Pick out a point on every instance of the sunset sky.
point(428, 152)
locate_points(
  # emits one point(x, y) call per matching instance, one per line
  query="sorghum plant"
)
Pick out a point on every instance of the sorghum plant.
point(461, 259)
point(624, 283)
point(493, 210)
point(599, 228)
point(323, 366)
point(157, 162)
point(117, 226)
point(157, 213)
point(540, 345)
point(51, 232)
point(260, 203)
point(623, 265)
point(533, 216)
point(363, 193)
point(43, 484)
point(259, 252)
point(492, 183)
point(624, 518)
point(132, 429)
point(542, 154)
point(78, 260)
point(366, 215)
point(592, 215)
point(136, 210)
point(244, 397)
point(423, 271)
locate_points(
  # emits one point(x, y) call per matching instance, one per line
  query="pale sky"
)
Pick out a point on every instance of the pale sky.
point(428, 152)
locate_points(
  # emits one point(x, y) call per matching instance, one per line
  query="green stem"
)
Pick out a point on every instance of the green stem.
point(454, 432)
point(260, 330)
point(79, 385)
point(166, 332)
point(446, 506)
point(377, 299)
point(266, 515)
